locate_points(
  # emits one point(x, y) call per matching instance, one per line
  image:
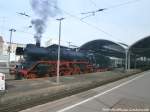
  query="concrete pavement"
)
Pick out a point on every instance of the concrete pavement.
point(130, 94)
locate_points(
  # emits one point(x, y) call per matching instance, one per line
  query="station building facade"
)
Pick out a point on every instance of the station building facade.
point(4, 51)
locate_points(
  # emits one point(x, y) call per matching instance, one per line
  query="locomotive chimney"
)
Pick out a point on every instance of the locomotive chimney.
point(38, 43)
point(38, 40)
point(44, 11)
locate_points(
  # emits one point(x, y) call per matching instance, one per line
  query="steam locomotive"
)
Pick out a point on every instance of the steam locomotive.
point(42, 61)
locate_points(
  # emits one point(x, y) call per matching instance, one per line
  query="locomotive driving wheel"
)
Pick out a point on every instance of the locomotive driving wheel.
point(31, 76)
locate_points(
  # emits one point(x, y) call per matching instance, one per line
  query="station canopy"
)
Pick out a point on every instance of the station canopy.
point(104, 47)
point(141, 47)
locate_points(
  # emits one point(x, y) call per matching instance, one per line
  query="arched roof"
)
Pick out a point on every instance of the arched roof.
point(104, 47)
point(141, 47)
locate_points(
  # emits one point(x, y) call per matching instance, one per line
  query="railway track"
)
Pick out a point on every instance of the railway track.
point(24, 105)
point(12, 107)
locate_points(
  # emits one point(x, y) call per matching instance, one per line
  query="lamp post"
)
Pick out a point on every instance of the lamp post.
point(129, 59)
point(58, 59)
point(10, 41)
point(126, 54)
point(126, 59)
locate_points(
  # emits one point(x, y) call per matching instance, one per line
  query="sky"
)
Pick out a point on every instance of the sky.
point(125, 23)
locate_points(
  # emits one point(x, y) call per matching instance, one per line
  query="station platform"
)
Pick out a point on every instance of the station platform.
point(22, 94)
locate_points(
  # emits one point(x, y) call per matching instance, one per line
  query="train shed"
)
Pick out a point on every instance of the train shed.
point(139, 53)
point(106, 49)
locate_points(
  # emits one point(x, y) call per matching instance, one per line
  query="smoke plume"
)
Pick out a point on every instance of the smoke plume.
point(43, 9)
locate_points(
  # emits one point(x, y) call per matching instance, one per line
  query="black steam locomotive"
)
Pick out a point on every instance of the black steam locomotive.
point(42, 61)
point(33, 53)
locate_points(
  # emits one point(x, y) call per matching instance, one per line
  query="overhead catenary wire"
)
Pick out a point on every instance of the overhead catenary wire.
point(21, 31)
point(122, 4)
point(89, 24)
point(93, 12)
point(18, 30)
point(77, 18)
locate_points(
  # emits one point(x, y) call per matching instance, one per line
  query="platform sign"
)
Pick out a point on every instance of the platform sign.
point(2, 81)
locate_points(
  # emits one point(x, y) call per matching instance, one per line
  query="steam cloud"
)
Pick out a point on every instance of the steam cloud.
point(44, 9)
